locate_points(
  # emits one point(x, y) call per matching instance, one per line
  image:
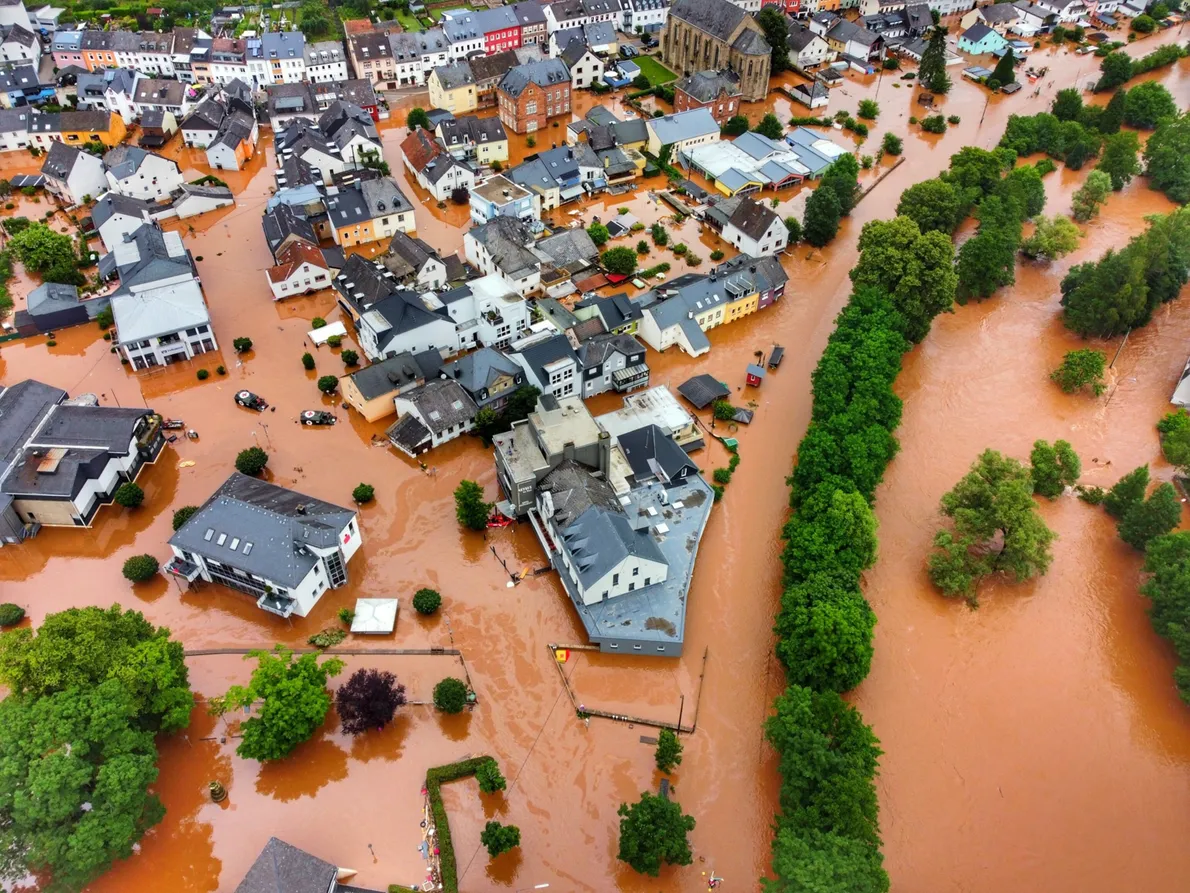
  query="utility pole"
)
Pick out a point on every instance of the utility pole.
point(681, 708)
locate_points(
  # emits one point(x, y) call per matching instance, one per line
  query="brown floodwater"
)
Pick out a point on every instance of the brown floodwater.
point(1035, 744)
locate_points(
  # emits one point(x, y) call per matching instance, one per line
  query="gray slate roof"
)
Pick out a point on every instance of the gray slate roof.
point(266, 515)
point(388, 375)
point(718, 18)
point(442, 403)
point(653, 455)
point(282, 868)
point(51, 297)
point(705, 86)
point(60, 160)
point(703, 390)
point(454, 75)
point(478, 371)
point(544, 73)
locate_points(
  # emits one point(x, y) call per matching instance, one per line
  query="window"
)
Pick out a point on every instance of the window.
point(648, 580)
point(636, 647)
point(636, 572)
point(210, 533)
point(222, 539)
point(615, 579)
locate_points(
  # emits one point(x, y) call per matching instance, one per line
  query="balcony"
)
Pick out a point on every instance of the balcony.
point(281, 605)
point(631, 378)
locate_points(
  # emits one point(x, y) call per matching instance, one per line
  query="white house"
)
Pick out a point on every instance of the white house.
point(326, 62)
point(300, 269)
point(72, 174)
point(133, 172)
point(413, 263)
point(585, 67)
point(283, 548)
point(116, 216)
point(683, 131)
point(642, 15)
point(486, 311)
point(234, 142)
point(431, 415)
point(503, 245)
point(195, 200)
point(752, 227)
point(807, 49)
point(19, 45)
point(110, 90)
point(401, 323)
point(14, 129)
point(163, 324)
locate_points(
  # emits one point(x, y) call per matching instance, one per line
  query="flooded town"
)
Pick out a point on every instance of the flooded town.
point(548, 445)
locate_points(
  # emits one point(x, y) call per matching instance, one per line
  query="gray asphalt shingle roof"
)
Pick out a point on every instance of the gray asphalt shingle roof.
point(283, 868)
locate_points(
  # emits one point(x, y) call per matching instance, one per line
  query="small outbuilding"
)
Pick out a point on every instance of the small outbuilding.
point(755, 375)
point(703, 390)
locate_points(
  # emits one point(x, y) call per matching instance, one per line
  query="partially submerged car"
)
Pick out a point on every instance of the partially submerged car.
point(317, 417)
point(251, 401)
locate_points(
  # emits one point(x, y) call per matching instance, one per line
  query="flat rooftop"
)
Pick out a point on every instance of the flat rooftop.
point(569, 423)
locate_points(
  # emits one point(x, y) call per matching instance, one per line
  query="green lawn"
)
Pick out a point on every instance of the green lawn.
point(652, 69)
point(408, 21)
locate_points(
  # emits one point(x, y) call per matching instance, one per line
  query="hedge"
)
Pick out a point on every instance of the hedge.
point(435, 778)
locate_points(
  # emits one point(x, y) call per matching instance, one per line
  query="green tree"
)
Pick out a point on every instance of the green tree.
point(987, 261)
point(653, 831)
point(823, 212)
point(1147, 103)
point(836, 531)
point(843, 177)
point(1151, 518)
point(1105, 298)
point(314, 20)
point(828, 759)
point(793, 226)
point(50, 254)
point(499, 838)
point(997, 528)
point(891, 144)
point(418, 118)
point(1113, 113)
point(1005, 70)
point(1115, 69)
point(735, 125)
point(1053, 468)
point(1127, 492)
point(1119, 159)
point(1091, 196)
point(74, 793)
point(1167, 561)
point(1079, 145)
point(770, 126)
point(1174, 429)
point(1143, 24)
point(776, 32)
point(620, 260)
point(824, 632)
point(935, 205)
point(1052, 238)
point(915, 269)
point(363, 493)
point(490, 779)
point(182, 515)
point(349, 357)
point(470, 509)
point(1068, 105)
point(931, 73)
point(251, 461)
point(289, 701)
point(427, 601)
point(1167, 158)
point(868, 108)
point(669, 751)
point(308, 361)
point(81, 648)
point(129, 495)
point(816, 862)
point(642, 247)
point(1024, 187)
point(328, 384)
point(139, 568)
point(659, 234)
point(1081, 369)
point(241, 344)
point(450, 695)
point(598, 233)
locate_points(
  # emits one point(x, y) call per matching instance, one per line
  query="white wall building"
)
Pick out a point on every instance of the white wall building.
point(136, 173)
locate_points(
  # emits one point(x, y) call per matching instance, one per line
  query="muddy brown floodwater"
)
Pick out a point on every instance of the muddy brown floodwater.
point(1036, 744)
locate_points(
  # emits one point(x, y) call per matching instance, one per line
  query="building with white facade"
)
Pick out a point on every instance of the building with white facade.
point(136, 173)
point(72, 174)
point(486, 311)
point(276, 57)
point(752, 227)
point(281, 547)
point(326, 62)
point(428, 416)
point(642, 15)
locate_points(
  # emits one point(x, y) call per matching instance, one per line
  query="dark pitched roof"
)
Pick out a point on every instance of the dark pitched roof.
point(653, 455)
point(703, 390)
point(283, 221)
point(718, 18)
point(279, 523)
point(976, 32)
point(479, 370)
point(362, 284)
point(544, 73)
point(60, 160)
point(753, 219)
point(442, 404)
point(282, 868)
point(492, 67)
point(406, 255)
point(705, 86)
point(388, 375)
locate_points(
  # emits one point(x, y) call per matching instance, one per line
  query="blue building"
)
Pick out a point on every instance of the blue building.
point(21, 87)
point(500, 197)
point(980, 39)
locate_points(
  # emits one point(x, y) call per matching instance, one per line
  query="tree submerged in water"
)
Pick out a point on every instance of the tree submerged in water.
point(368, 700)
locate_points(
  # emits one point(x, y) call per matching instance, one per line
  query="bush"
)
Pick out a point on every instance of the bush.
point(184, 514)
point(716, 255)
point(735, 126)
point(346, 615)
point(1081, 369)
point(679, 249)
point(427, 602)
point(450, 695)
point(723, 411)
point(499, 838)
point(139, 568)
point(129, 495)
point(953, 119)
point(327, 638)
point(334, 340)
point(10, 614)
point(242, 344)
point(251, 461)
point(203, 374)
point(722, 476)
point(328, 384)
point(868, 108)
point(220, 370)
point(350, 358)
point(105, 318)
point(363, 493)
point(693, 259)
point(866, 162)
point(642, 247)
point(892, 63)
point(308, 361)
point(934, 124)
point(317, 322)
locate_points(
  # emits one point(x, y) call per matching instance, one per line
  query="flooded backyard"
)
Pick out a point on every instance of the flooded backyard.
point(1034, 744)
